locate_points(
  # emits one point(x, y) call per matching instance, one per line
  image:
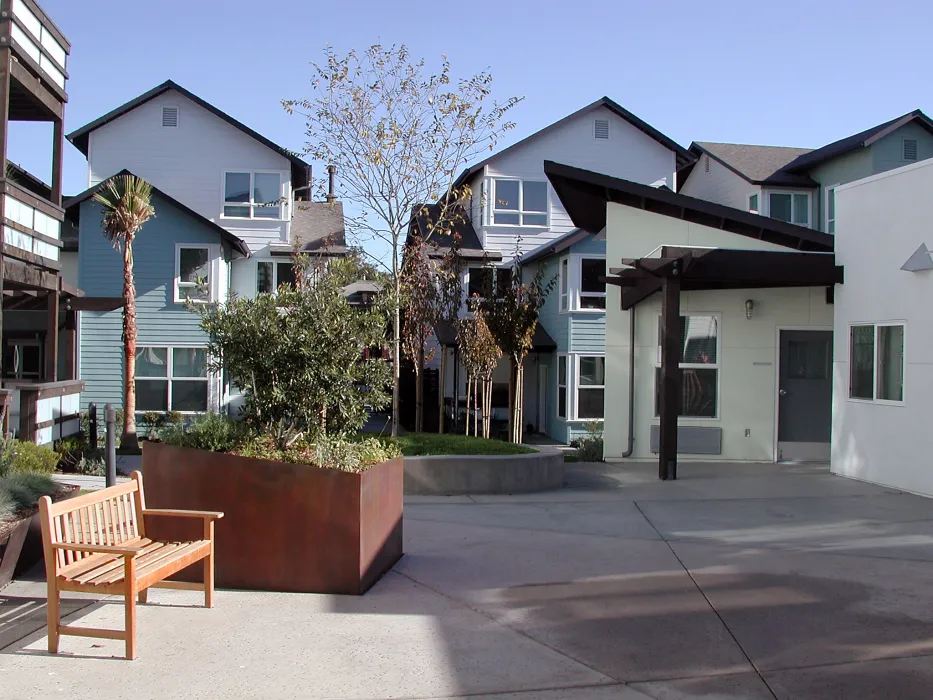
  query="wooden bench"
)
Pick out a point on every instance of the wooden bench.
point(96, 543)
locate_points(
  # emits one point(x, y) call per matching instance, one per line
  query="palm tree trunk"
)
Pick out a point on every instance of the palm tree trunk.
point(129, 439)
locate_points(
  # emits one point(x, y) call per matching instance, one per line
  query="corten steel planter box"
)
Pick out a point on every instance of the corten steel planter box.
point(286, 527)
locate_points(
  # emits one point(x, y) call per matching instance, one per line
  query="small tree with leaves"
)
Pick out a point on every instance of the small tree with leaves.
point(398, 133)
point(512, 316)
point(480, 355)
point(420, 292)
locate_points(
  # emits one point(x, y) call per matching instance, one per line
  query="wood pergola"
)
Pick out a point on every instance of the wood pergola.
point(689, 269)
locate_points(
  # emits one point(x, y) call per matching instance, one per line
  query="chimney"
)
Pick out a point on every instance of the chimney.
point(310, 183)
point(331, 174)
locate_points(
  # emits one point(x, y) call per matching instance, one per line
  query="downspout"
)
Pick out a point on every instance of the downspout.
point(631, 385)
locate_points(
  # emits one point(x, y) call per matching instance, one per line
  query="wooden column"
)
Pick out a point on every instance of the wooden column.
point(58, 139)
point(6, 56)
point(670, 374)
point(71, 335)
point(51, 338)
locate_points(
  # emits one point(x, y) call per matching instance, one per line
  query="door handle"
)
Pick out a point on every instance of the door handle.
point(782, 392)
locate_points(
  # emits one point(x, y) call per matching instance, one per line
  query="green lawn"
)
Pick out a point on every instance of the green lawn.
point(414, 444)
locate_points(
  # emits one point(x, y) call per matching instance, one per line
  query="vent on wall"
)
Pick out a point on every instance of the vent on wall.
point(706, 164)
point(601, 129)
point(910, 149)
point(170, 116)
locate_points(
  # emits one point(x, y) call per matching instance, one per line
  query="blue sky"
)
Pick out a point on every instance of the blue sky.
point(793, 73)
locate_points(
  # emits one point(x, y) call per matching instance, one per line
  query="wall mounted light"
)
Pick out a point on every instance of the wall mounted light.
point(749, 307)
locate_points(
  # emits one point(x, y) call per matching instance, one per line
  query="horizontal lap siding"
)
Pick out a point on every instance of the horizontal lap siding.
point(160, 320)
point(588, 332)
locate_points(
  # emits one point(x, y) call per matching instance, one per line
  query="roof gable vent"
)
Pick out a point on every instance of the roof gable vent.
point(601, 129)
point(706, 163)
point(170, 117)
point(910, 149)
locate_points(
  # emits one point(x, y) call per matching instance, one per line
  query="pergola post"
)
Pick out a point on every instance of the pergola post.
point(670, 374)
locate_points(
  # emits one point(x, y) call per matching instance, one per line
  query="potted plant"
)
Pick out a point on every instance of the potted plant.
point(308, 506)
point(24, 478)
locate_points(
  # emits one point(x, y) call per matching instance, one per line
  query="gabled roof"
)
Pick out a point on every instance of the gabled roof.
point(81, 137)
point(683, 156)
point(236, 243)
point(859, 140)
point(759, 165)
point(584, 195)
point(318, 225)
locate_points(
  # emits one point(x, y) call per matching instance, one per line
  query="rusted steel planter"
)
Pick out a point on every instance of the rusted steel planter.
point(21, 546)
point(286, 527)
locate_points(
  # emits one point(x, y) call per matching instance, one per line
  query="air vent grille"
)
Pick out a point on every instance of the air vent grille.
point(170, 117)
point(601, 129)
point(910, 149)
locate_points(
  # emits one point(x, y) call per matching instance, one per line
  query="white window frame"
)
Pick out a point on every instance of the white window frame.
point(876, 375)
point(809, 196)
point(170, 370)
point(493, 210)
point(570, 301)
point(577, 386)
point(578, 287)
point(696, 365)
point(566, 386)
point(283, 199)
point(748, 202)
point(211, 276)
point(275, 273)
point(830, 192)
point(496, 271)
point(563, 281)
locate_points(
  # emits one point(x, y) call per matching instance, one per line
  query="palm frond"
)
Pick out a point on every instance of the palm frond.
point(127, 203)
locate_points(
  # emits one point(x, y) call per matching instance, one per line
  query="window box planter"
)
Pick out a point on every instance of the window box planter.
point(21, 540)
point(286, 527)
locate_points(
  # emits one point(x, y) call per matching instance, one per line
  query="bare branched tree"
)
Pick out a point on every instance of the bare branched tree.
point(398, 133)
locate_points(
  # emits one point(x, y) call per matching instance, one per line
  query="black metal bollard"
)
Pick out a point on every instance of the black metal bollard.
point(110, 418)
point(92, 425)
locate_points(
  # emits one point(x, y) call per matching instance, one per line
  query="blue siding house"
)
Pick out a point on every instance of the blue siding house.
point(177, 254)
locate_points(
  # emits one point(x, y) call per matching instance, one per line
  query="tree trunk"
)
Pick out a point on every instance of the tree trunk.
point(442, 389)
point(475, 407)
point(511, 399)
point(466, 430)
point(129, 439)
point(520, 405)
point(419, 389)
point(396, 343)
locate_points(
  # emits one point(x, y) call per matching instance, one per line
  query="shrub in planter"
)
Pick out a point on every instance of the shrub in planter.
point(18, 457)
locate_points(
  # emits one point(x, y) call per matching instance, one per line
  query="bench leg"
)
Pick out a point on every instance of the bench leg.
point(129, 572)
point(209, 566)
point(144, 597)
point(54, 616)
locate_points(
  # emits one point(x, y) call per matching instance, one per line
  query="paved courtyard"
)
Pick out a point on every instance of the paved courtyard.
point(751, 581)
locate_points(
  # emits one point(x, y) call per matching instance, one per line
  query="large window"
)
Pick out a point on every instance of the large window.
point(876, 362)
point(249, 195)
point(192, 273)
point(792, 207)
point(562, 386)
point(591, 386)
point(520, 203)
point(699, 367)
point(269, 275)
point(171, 379)
point(481, 279)
point(592, 289)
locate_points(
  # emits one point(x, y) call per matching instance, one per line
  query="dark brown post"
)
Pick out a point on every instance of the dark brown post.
point(6, 56)
point(58, 136)
point(670, 373)
point(71, 344)
point(51, 338)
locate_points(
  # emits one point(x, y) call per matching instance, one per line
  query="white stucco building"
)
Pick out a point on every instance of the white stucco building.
point(883, 355)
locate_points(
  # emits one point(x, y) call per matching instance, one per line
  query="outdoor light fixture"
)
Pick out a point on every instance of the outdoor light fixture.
point(749, 307)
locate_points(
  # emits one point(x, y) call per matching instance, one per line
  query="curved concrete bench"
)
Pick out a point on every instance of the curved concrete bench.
point(459, 475)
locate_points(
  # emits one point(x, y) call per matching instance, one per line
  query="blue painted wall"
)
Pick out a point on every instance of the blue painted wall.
point(160, 320)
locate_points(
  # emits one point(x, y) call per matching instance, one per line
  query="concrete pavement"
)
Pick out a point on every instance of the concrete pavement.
point(737, 581)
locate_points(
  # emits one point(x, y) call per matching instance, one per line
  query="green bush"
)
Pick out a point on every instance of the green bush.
point(25, 489)
point(7, 506)
point(590, 448)
point(151, 422)
point(331, 452)
point(211, 431)
point(70, 451)
point(19, 457)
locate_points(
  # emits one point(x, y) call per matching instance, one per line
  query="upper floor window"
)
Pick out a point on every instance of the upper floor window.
point(792, 207)
point(192, 273)
point(831, 209)
point(581, 288)
point(753, 203)
point(253, 195)
point(482, 279)
point(269, 275)
point(520, 203)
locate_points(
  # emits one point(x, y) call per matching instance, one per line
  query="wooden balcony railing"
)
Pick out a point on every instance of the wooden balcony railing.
point(36, 41)
point(32, 226)
point(46, 412)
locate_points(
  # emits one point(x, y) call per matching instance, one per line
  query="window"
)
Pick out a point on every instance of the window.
point(170, 117)
point(253, 195)
point(753, 203)
point(562, 386)
point(520, 203)
point(601, 128)
point(699, 367)
point(831, 209)
point(269, 275)
point(564, 284)
point(592, 289)
point(910, 149)
point(792, 207)
point(876, 362)
point(171, 379)
point(591, 387)
point(481, 280)
point(192, 273)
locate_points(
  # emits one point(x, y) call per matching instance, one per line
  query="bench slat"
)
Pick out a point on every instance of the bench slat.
point(88, 498)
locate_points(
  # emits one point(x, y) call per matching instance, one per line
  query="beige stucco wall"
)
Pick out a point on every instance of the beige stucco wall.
point(748, 348)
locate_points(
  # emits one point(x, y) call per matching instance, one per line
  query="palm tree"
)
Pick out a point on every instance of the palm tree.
point(127, 206)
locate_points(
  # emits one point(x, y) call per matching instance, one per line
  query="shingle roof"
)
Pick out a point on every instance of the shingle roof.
point(470, 246)
point(318, 225)
point(757, 164)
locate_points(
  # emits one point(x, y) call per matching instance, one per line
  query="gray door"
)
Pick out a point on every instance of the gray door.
point(805, 402)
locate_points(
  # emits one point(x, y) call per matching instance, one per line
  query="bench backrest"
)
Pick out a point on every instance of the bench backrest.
point(108, 517)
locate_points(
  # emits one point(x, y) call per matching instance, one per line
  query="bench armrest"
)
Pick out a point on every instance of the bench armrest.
point(168, 513)
point(121, 550)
